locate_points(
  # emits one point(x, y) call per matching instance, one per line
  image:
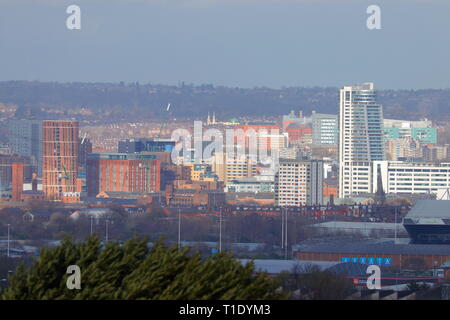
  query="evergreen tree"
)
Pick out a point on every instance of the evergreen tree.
point(133, 271)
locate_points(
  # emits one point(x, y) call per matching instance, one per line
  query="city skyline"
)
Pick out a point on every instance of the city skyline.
point(251, 150)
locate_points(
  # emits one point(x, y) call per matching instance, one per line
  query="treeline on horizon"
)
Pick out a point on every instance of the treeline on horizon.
point(126, 101)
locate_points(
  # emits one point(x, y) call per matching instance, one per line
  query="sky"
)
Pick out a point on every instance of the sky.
point(237, 43)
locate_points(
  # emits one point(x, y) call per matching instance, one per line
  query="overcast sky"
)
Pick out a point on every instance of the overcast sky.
point(243, 43)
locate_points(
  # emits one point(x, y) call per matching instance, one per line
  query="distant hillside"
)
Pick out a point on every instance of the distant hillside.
point(134, 101)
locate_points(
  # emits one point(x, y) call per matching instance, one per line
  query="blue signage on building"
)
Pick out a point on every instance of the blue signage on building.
point(372, 260)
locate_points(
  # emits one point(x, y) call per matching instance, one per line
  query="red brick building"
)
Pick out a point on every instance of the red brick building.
point(330, 188)
point(399, 255)
point(17, 181)
point(122, 172)
point(296, 132)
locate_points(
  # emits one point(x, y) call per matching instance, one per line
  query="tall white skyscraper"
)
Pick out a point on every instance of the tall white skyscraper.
point(360, 136)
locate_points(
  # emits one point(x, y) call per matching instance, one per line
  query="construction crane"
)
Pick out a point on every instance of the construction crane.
point(84, 138)
point(66, 175)
point(164, 121)
point(63, 177)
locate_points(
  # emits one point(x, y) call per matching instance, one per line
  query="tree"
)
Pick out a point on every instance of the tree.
point(8, 265)
point(316, 284)
point(133, 271)
point(415, 286)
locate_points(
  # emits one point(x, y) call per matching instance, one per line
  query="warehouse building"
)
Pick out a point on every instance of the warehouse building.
point(428, 222)
point(383, 252)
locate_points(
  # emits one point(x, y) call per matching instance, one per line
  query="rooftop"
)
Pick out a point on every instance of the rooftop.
point(370, 246)
point(359, 225)
point(430, 209)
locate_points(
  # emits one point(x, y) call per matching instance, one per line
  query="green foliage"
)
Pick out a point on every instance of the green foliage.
point(133, 271)
point(414, 286)
point(315, 284)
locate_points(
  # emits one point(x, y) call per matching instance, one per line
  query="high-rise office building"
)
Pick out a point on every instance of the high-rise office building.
point(60, 160)
point(84, 148)
point(24, 138)
point(299, 183)
point(325, 129)
point(360, 132)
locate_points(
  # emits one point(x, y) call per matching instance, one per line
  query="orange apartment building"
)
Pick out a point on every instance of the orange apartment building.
point(60, 160)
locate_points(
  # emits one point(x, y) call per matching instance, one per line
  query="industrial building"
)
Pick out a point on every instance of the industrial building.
point(361, 228)
point(369, 251)
point(428, 222)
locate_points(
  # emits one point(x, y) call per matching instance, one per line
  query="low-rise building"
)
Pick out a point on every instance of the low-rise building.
point(250, 185)
point(396, 177)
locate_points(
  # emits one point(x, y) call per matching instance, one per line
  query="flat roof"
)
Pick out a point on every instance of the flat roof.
point(359, 225)
point(379, 247)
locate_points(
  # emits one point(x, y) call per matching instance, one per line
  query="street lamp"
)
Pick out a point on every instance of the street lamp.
point(7, 254)
point(282, 228)
point(107, 222)
point(285, 236)
point(179, 228)
point(395, 225)
point(220, 230)
point(92, 218)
